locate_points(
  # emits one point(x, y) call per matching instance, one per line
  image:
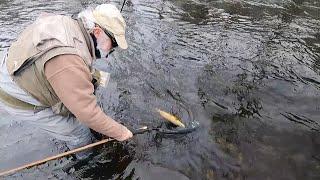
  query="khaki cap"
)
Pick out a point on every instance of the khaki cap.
point(109, 17)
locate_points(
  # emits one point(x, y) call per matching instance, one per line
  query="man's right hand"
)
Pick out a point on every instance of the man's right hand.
point(127, 134)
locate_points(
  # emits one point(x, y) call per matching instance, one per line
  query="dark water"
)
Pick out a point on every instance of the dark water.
point(248, 70)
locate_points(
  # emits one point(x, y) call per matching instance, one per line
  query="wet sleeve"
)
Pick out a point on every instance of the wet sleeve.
point(71, 80)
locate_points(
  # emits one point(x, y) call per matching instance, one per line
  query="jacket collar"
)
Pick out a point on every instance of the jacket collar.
point(88, 39)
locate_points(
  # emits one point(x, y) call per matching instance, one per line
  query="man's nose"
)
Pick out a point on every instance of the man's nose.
point(107, 46)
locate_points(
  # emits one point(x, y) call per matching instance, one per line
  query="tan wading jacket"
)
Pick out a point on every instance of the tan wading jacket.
point(46, 38)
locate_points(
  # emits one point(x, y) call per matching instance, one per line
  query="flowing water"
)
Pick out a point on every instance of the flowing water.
point(248, 70)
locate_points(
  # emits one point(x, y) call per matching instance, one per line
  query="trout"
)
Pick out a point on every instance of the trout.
point(173, 119)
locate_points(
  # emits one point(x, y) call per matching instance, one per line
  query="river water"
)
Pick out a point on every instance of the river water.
point(248, 70)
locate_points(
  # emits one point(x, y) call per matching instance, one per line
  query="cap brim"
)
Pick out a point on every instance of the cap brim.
point(121, 40)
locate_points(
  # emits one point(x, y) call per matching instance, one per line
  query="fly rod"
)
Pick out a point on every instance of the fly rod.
point(35, 163)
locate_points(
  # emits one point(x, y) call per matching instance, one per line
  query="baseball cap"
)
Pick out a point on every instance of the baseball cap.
point(109, 17)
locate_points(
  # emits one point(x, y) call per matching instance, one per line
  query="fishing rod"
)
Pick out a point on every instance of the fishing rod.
point(35, 163)
point(124, 1)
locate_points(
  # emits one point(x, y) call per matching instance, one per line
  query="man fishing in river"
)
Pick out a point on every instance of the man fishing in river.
point(47, 78)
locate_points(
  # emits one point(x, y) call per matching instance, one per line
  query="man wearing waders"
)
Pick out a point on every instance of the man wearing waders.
point(47, 79)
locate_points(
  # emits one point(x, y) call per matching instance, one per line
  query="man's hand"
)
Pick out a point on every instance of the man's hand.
point(127, 134)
